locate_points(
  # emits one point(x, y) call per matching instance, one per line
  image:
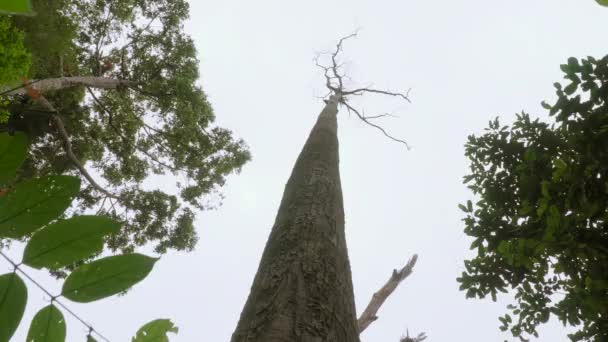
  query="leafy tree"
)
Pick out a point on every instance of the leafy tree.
point(541, 223)
point(152, 120)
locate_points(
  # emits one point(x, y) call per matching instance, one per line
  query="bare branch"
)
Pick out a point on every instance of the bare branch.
point(369, 314)
point(365, 119)
point(360, 91)
point(334, 83)
point(67, 146)
point(407, 338)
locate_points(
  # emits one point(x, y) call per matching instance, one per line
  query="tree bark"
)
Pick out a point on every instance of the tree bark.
point(303, 289)
point(59, 83)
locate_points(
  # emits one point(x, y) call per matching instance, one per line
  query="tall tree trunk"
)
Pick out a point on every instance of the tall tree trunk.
point(303, 289)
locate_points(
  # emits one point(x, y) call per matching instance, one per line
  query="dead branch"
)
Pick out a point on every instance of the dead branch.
point(369, 314)
point(334, 81)
point(67, 146)
point(407, 338)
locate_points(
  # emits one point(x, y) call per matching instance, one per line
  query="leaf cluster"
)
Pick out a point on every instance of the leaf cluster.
point(33, 209)
point(540, 226)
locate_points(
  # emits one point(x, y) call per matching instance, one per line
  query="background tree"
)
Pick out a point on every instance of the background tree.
point(540, 225)
point(152, 120)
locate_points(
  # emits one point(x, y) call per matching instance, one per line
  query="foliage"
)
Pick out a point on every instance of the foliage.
point(14, 61)
point(16, 7)
point(602, 2)
point(161, 126)
point(14, 58)
point(540, 225)
point(156, 331)
point(36, 206)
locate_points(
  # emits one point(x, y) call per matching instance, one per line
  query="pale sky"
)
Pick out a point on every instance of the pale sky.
point(466, 61)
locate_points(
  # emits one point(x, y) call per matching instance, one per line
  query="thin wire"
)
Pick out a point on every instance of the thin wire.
point(53, 298)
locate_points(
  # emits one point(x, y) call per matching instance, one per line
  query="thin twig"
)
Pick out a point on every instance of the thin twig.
point(369, 314)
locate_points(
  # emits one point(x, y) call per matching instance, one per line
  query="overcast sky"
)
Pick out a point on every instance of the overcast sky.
point(466, 61)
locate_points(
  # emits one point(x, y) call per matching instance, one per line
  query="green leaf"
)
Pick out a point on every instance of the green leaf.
point(34, 203)
point(16, 6)
point(91, 339)
point(570, 88)
point(13, 150)
point(106, 277)
point(602, 2)
point(68, 241)
point(13, 296)
point(463, 208)
point(47, 326)
point(155, 331)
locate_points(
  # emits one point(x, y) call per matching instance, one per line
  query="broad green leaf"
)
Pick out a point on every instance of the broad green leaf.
point(602, 2)
point(47, 326)
point(15, 6)
point(13, 296)
point(34, 203)
point(106, 277)
point(91, 339)
point(13, 150)
point(67, 241)
point(155, 331)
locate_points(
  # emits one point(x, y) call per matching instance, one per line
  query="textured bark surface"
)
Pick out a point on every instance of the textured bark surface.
point(303, 290)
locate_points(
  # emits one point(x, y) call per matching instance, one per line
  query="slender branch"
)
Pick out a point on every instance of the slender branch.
point(369, 314)
point(67, 146)
point(365, 119)
point(407, 338)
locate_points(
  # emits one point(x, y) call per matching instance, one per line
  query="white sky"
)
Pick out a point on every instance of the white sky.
point(466, 62)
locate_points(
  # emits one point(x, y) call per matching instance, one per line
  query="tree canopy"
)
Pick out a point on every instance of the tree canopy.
point(157, 121)
point(540, 225)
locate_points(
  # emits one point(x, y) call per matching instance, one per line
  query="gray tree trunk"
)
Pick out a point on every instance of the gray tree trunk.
point(303, 289)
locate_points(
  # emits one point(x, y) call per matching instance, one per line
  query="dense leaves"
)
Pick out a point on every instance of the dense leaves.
point(47, 326)
point(540, 225)
point(162, 125)
point(33, 203)
point(13, 297)
point(155, 331)
point(106, 277)
point(14, 58)
point(68, 241)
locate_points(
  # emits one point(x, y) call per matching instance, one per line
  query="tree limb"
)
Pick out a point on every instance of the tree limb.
point(67, 146)
point(59, 83)
point(369, 314)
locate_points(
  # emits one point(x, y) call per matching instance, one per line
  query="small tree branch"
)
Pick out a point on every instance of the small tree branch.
point(365, 119)
point(67, 146)
point(407, 338)
point(369, 314)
